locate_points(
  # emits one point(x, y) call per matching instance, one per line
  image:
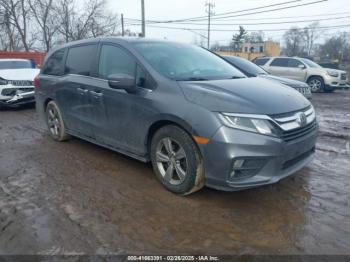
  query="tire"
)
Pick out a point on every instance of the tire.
point(177, 161)
point(316, 84)
point(55, 123)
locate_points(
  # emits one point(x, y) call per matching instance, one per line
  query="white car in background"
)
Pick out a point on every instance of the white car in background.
point(318, 78)
point(16, 82)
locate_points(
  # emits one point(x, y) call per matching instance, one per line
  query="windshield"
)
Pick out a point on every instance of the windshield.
point(310, 63)
point(246, 66)
point(15, 64)
point(186, 62)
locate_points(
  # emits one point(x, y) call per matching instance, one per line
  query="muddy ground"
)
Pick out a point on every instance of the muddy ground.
point(78, 198)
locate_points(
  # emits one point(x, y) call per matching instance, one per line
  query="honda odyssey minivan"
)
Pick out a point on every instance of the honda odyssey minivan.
point(199, 120)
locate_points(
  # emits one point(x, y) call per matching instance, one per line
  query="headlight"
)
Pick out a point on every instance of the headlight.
point(252, 124)
point(332, 73)
point(3, 81)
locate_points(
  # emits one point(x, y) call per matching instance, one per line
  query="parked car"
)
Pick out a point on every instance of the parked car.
point(198, 120)
point(16, 82)
point(252, 70)
point(318, 78)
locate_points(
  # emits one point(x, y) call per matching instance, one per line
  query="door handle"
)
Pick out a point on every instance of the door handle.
point(81, 91)
point(96, 94)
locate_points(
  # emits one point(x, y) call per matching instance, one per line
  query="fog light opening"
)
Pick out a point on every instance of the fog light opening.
point(245, 168)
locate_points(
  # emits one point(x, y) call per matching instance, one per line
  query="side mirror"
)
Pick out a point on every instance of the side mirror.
point(122, 81)
point(302, 66)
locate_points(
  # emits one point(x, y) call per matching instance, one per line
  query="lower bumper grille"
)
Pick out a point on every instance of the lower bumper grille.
point(297, 159)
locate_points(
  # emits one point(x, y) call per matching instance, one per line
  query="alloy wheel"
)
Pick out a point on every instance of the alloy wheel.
point(315, 85)
point(53, 121)
point(171, 161)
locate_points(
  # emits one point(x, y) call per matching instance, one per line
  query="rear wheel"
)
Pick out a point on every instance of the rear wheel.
point(55, 122)
point(177, 161)
point(316, 84)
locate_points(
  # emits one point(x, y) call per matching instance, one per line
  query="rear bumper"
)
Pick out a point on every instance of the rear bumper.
point(279, 158)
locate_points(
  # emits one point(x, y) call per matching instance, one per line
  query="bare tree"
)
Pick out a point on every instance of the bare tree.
point(94, 21)
point(337, 47)
point(17, 16)
point(43, 13)
point(294, 42)
point(311, 34)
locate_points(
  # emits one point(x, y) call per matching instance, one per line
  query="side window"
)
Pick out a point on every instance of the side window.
point(282, 62)
point(53, 65)
point(261, 61)
point(79, 60)
point(114, 60)
point(294, 63)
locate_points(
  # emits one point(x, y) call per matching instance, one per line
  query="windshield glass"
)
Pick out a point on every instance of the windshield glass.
point(310, 63)
point(246, 66)
point(186, 62)
point(15, 64)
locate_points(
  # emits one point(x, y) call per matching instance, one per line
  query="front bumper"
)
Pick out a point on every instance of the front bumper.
point(19, 99)
point(281, 159)
point(336, 82)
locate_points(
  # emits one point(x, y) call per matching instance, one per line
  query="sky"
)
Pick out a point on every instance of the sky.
point(332, 13)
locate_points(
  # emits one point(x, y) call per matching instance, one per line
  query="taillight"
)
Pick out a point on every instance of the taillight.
point(36, 82)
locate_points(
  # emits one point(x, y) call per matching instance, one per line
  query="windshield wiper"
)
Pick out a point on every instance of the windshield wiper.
point(193, 78)
point(236, 77)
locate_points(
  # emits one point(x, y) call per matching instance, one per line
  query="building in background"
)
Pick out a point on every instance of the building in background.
point(251, 51)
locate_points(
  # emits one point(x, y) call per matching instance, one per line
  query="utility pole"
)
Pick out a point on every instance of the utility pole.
point(209, 6)
point(123, 25)
point(143, 18)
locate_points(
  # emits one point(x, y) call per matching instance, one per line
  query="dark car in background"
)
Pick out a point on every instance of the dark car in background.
point(198, 119)
point(252, 70)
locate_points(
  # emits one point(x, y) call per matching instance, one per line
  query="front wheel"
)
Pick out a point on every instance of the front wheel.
point(177, 161)
point(316, 84)
point(55, 122)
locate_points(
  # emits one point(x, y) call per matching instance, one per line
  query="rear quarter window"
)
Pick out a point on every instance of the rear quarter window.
point(54, 64)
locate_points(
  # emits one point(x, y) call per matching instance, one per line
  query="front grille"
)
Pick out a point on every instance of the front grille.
point(15, 91)
point(343, 76)
point(299, 132)
point(297, 159)
point(20, 82)
point(296, 124)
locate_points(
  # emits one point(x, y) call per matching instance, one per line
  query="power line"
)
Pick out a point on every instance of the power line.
point(267, 23)
point(276, 9)
point(251, 30)
point(219, 16)
point(265, 18)
point(284, 17)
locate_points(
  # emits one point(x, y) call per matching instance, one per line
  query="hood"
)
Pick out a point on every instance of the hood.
point(246, 95)
point(285, 81)
point(336, 70)
point(19, 74)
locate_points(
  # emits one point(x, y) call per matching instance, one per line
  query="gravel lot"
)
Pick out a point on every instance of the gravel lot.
point(78, 198)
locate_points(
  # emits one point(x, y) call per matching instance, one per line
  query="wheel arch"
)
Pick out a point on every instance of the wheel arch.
point(47, 100)
point(164, 121)
point(307, 80)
